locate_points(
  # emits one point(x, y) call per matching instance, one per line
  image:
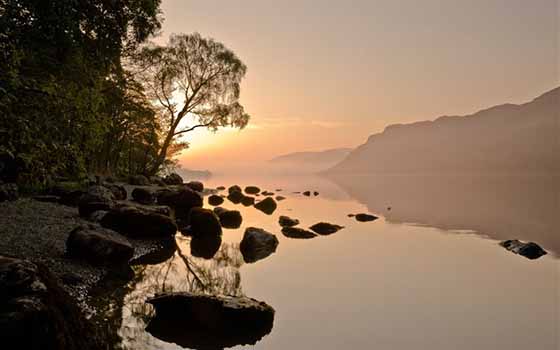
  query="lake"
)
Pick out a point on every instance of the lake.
point(428, 274)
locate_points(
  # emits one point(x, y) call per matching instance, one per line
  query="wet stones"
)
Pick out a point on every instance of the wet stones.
point(267, 205)
point(530, 250)
point(325, 228)
point(286, 221)
point(98, 246)
point(257, 244)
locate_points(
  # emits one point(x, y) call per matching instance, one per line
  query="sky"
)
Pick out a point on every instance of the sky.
point(327, 74)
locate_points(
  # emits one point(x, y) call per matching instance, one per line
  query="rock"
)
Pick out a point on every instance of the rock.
point(173, 179)
point(215, 200)
point(36, 313)
point(195, 186)
point(47, 198)
point(8, 192)
point(182, 201)
point(203, 222)
point(72, 198)
point(235, 197)
point(267, 205)
point(138, 180)
point(118, 191)
point(136, 223)
point(143, 196)
point(298, 233)
point(220, 188)
point(229, 218)
point(257, 244)
point(315, 193)
point(252, 190)
point(157, 180)
point(307, 193)
point(267, 193)
point(248, 201)
point(278, 189)
point(365, 217)
point(96, 198)
point(351, 215)
point(205, 246)
point(234, 188)
point(280, 198)
point(286, 221)
point(200, 321)
point(324, 228)
point(97, 216)
point(98, 246)
point(529, 250)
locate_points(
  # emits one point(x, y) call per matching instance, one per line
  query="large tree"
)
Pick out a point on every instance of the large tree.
point(195, 83)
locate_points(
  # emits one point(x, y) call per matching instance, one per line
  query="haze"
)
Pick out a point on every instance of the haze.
point(329, 74)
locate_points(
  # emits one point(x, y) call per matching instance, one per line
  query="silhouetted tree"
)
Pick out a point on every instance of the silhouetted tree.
point(195, 83)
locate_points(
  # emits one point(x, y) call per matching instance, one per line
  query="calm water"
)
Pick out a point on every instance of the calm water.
point(429, 274)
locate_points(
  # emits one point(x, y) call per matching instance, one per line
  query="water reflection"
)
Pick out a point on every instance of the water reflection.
point(500, 207)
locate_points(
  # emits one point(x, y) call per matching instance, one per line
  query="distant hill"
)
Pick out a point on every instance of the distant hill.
point(327, 157)
point(503, 139)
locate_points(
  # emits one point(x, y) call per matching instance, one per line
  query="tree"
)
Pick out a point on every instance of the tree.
point(195, 83)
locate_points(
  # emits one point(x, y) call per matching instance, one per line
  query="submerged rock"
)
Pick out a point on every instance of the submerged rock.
point(248, 201)
point(315, 193)
point(324, 228)
point(229, 218)
point(286, 221)
point(203, 222)
point(201, 321)
point(215, 200)
point(257, 244)
point(220, 188)
point(296, 232)
point(143, 196)
point(235, 197)
point(98, 246)
point(362, 217)
point(307, 193)
point(173, 179)
point(267, 193)
point(252, 190)
point(195, 186)
point(280, 198)
point(205, 246)
point(529, 250)
point(137, 223)
point(36, 313)
point(267, 205)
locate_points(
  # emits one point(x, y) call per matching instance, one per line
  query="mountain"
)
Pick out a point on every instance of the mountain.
point(324, 158)
point(505, 139)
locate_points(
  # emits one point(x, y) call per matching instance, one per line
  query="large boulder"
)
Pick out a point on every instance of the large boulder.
point(286, 221)
point(203, 222)
point(530, 250)
point(96, 198)
point(98, 246)
point(37, 314)
point(362, 217)
point(298, 233)
point(324, 228)
point(137, 223)
point(195, 186)
point(257, 244)
point(200, 321)
point(229, 218)
point(173, 179)
point(182, 201)
point(138, 180)
point(252, 190)
point(143, 196)
point(214, 200)
point(8, 192)
point(267, 205)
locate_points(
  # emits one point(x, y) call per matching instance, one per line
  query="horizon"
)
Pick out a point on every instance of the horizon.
point(312, 99)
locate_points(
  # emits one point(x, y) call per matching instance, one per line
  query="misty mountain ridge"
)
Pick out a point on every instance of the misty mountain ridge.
point(333, 156)
point(507, 138)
